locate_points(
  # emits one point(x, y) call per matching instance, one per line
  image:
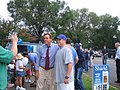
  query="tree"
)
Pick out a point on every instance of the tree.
point(37, 15)
point(104, 29)
point(5, 27)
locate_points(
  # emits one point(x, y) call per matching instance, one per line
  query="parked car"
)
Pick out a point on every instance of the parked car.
point(111, 53)
point(97, 53)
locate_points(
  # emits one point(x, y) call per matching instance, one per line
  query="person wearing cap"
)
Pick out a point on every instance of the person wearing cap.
point(6, 56)
point(64, 73)
point(19, 72)
point(79, 68)
point(45, 64)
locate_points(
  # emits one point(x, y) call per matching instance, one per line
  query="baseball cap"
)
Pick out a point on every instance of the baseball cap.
point(61, 36)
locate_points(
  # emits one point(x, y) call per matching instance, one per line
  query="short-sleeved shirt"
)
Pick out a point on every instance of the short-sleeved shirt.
point(118, 53)
point(62, 58)
point(19, 63)
point(5, 58)
point(74, 54)
point(32, 57)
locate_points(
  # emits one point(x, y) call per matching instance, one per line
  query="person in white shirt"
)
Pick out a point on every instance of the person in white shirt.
point(117, 58)
point(19, 72)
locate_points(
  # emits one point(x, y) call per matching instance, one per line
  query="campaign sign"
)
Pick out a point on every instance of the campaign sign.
point(101, 77)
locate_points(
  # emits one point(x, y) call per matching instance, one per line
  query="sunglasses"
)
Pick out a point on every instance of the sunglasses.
point(59, 39)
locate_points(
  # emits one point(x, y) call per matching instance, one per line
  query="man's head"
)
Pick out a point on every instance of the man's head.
point(61, 39)
point(117, 44)
point(47, 38)
point(68, 41)
point(77, 46)
point(104, 46)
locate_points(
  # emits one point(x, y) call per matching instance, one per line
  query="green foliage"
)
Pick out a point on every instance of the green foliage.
point(106, 29)
point(5, 27)
point(38, 16)
point(3, 38)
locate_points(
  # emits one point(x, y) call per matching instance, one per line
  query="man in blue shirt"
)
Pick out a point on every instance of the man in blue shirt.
point(46, 75)
point(79, 68)
point(74, 53)
point(32, 58)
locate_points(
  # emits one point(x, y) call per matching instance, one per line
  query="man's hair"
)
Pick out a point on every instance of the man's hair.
point(48, 34)
point(117, 44)
point(68, 41)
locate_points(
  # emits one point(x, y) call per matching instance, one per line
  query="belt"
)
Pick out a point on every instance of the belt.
point(46, 68)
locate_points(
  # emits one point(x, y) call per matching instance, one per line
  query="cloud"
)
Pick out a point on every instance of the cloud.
point(100, 7)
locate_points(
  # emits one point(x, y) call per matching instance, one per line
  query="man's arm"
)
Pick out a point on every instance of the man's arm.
point(69, 69)
point(6, 55)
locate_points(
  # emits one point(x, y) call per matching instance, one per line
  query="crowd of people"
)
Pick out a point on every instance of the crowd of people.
point(54, 66)
point(53, 63)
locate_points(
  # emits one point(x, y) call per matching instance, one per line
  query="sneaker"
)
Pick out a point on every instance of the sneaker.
point(33, 84)
point(33, 74)
point(29, 81)
point(21, 88)
point(17, 88)
point(26, 80)
point(10, 85)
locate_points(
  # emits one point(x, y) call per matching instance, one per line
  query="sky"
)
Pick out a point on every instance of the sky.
point(100, 7)
point(3, 9)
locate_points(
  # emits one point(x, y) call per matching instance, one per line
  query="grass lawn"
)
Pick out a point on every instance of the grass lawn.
point(88, 83)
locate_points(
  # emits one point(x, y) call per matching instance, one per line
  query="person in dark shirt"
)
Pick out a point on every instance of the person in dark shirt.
point(104, 55)
point(79, 68)
point(86, 59)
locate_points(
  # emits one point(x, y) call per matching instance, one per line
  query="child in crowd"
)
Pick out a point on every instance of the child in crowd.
point(11, 74)
point(28, 71)
point(25, 61)
point(19, 72)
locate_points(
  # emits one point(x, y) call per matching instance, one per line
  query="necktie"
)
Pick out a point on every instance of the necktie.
point(47, 59)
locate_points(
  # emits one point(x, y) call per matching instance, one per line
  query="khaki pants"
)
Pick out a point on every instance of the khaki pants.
point(46, 80)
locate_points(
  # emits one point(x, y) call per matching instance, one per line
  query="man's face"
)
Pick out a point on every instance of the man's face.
point(47, 39)
point(60, 42)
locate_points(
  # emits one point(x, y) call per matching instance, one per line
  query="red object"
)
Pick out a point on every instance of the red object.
point(47, 59)
point(28, 72)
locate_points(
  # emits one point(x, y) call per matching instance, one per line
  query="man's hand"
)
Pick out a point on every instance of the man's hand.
point(66, 80)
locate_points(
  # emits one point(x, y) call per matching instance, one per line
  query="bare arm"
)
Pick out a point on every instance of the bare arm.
point(14, 40)
point(69, 69)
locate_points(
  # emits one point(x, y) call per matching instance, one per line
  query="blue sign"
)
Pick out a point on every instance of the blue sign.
point(101, 77)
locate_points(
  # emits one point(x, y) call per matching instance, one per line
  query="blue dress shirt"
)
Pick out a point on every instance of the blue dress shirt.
point(41, 59)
